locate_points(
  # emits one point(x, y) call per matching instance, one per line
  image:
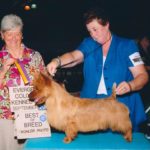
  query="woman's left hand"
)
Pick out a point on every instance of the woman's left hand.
point(123, 88)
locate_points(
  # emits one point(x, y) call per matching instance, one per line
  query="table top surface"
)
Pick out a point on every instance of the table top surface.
point(98, 140)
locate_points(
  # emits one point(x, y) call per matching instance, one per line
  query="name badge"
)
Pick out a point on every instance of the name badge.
point(136, 59)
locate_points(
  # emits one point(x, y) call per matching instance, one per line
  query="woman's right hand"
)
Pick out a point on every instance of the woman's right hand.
point(7, 63)
point(52, 67)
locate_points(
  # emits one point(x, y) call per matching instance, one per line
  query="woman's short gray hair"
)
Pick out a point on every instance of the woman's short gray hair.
point(10, 22)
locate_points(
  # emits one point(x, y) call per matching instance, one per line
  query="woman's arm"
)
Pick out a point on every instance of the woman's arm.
point(140, 79)
point(66, 60)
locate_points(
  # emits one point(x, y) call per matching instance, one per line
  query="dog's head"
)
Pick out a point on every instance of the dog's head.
point(40, 84)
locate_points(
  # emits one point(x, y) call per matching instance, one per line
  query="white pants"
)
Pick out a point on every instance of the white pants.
point(7, 140)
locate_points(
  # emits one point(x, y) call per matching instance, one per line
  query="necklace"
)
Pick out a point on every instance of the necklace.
point(17, 53)
point(107, 40)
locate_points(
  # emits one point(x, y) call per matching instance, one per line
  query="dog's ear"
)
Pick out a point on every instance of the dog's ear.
point(35, 75)
point(46, 78)
point(41, 78)
point(45, 72)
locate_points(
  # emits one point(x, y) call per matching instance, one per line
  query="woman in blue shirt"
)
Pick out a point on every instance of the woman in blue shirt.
point(107, 59)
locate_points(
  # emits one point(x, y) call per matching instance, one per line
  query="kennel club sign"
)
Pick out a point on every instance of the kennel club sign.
point(30, 120)
point(19, 98)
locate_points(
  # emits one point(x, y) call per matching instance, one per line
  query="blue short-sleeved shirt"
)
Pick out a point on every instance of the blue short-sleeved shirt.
point(115, 69)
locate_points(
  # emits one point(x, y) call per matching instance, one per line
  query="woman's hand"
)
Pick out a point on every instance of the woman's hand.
point(6, 65)
point(52, 67)
point(123, 88)
point(140, 79)
point(66, 60)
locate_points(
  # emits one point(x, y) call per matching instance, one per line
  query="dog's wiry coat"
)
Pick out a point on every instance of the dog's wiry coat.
point(73, 114)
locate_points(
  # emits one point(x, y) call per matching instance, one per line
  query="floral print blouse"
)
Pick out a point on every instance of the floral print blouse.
point(31, 60)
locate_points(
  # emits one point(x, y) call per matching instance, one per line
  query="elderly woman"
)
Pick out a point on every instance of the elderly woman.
point(14, 49)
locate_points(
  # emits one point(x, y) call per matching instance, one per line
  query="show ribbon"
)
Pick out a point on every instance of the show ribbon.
point(22, 72)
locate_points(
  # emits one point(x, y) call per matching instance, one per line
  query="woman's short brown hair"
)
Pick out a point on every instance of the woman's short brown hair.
point(96, 13)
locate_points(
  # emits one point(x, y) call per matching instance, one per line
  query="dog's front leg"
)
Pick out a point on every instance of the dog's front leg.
point(70, 131)
point(128, 135)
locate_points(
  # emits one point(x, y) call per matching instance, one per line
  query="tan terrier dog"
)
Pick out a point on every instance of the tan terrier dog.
point(73, 114)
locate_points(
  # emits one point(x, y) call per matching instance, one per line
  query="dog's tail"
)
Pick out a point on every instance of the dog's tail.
point(114, 91)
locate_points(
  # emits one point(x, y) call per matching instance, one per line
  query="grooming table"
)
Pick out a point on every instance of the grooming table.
point(88, 141)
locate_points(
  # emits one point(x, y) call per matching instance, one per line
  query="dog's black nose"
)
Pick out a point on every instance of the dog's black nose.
point(31, 97)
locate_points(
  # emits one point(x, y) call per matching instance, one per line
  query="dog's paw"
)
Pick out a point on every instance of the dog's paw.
point(128, 138)
point(67, 140)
